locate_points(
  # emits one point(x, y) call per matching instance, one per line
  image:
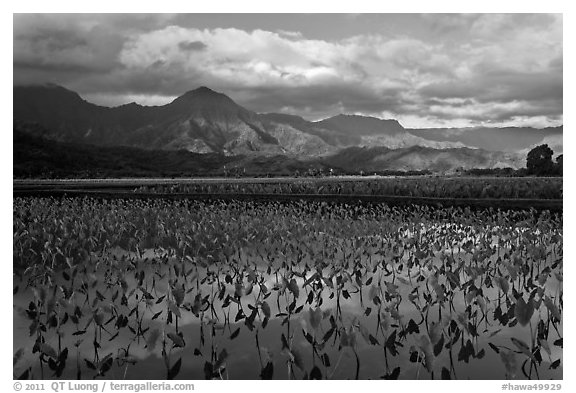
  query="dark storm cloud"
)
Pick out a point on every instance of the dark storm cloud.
point(192, 45)
point(321, 101)
point(500, 86)
point(422, 69)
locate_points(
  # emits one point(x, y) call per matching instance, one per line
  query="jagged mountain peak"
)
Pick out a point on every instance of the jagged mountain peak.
point(205, 94)
point(204, 120)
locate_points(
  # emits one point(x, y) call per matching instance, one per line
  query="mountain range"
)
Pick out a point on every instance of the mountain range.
point(203, 121)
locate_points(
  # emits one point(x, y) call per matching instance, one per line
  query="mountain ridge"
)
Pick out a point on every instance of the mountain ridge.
point(205, 121)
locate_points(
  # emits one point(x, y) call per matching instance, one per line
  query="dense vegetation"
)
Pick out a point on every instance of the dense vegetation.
point(158, 289)
point(37, 157)
point(539, 162)
point(432, 187)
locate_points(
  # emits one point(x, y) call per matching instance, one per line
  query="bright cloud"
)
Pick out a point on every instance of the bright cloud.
point(437, 70)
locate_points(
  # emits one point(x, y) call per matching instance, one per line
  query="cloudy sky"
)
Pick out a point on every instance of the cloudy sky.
point(427, 70)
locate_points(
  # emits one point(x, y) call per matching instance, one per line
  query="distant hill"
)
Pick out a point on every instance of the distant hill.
point(510, 139)
point(361, 125)
point(35, 156)
point(203, 121)
point(418, 158)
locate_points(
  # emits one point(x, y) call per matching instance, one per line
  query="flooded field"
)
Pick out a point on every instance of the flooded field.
point(125, 289)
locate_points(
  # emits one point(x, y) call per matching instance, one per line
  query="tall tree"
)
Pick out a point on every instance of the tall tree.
point(539, 161)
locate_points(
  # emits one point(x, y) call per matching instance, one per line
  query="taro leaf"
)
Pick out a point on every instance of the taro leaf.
point(79, 332)
point(308, 337)
point(445, 373)
point(293, 287)
point(315, 317)
point(89, 364)
point(466, 351)
point(178, 294)
point(412, 327)
point(208, 370)
point(52, 364)
point(373, 292)
point(98, 318)
point(315, 373)
point(145, 294)
point(559, 343)
point(552, 307)
point(172, 307)
point(325, 360)
point(328, 334)
point(367, 311)
point(510, 362)
point(292, 306)
point(156, 315)
point(175, 369)
point(310, 297)
point(17, 356)
point(494, 347)
point(544, 344)
point(439, 345)
point(177, 340)
point(373, 340)
point(482, 303)
point(310, 280)
point(48, 350)
point(235, 334)
point(266, 309)
point(538, 355)
point(523, 311)
point(454, 279)
point(555, 364)
point(268, 371)
point(239, 315)
point(284, 342)
point(391, 288)
point(542, 278)
point(249, 322)
point(502, 283)
point(393, 375)
point(391, 343)
point(523, 347)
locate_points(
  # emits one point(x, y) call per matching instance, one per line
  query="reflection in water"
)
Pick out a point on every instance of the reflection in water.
point(140, 361)
point(427, 301)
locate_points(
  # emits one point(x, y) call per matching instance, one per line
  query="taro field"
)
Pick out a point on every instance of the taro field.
point(158, 289)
